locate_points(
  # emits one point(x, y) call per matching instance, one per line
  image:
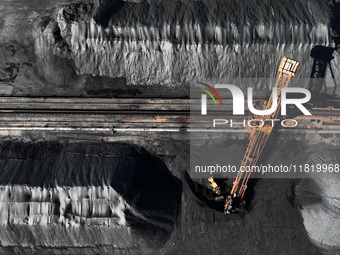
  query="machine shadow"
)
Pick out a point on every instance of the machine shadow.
point(323, 57)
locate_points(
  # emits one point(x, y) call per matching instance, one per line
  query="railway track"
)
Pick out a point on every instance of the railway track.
point(93, 113)
point(146, 113)
point(121, 114)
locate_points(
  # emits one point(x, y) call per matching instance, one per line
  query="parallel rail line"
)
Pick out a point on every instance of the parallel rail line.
point(120, 114)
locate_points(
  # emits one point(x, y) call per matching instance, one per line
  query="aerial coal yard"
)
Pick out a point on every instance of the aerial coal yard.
point(170, 127)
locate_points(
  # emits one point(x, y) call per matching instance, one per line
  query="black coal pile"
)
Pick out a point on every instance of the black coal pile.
point(97, 48)
point(113, 195)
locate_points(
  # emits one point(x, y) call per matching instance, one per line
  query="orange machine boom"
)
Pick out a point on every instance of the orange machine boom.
point(259, 136)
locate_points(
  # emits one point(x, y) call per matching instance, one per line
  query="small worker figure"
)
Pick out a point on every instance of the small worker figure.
point(112, 130)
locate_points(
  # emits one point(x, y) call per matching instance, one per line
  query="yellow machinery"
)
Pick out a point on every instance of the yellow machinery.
point(259, 136)
point(214, 185)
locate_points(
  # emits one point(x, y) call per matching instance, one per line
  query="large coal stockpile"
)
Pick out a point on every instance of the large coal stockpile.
point(98, 48)
point(113, 195)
